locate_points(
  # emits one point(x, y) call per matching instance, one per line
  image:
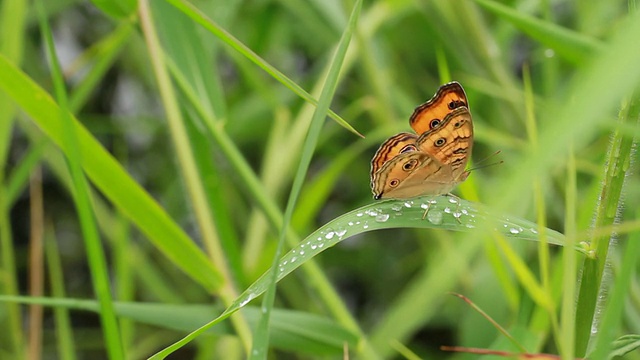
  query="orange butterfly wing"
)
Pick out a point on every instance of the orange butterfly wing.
point(451, 141)
point(404, 176)
point(430, 114)
point(433, 162)
point(399, 143)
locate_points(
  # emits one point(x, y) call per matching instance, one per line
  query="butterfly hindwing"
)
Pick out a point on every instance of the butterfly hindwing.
point(403, 142)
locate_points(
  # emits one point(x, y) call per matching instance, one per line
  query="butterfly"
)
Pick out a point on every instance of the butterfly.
point(432, 161)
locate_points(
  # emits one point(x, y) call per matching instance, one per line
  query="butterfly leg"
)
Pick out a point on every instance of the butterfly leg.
point(427, 206)
point(456, 214)
point(426, 209)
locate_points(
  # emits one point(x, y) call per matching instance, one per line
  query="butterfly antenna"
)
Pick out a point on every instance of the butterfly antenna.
point(480, 165)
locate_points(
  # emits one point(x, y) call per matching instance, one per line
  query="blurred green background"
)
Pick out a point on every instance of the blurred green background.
point(195, 123)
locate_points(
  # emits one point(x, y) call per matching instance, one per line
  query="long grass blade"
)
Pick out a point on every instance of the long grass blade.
point(225, 36)
point(261, 338)
point(95, 254)
point(619, 156)
point(104, 171)
point(569, 44)
point(189, 170)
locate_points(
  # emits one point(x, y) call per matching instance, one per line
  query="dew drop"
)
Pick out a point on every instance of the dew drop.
point(359, 214)
point(319, 238)
point(366, 225)
point(470, 226)
point(293, 259)
point(447, 210)
point(453, 200)
point(313, 247)
point(424, 206)
point(382, 217)
point(434, 217)
point(329, 235)
point(340, 232)
point(246, 301)
point(407, 204)
point(457, 214)
point(301, 252)
point(350, 223)
point(320, 245)
point(464, 211)
point(534, 230)
point(396, 207)
point(514, 231)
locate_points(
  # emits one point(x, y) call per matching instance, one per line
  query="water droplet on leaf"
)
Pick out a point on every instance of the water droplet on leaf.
point(434, 217)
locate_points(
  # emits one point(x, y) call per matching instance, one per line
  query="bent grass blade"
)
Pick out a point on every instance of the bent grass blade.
point(445, 212)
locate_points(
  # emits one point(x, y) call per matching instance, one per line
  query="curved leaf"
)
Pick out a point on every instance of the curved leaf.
point(442, 212)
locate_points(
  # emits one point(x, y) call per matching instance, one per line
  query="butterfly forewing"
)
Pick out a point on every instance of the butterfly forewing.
point(429, 115)
point(451, 142)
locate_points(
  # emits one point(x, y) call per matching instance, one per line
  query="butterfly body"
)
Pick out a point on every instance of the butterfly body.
point(433, 161)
